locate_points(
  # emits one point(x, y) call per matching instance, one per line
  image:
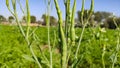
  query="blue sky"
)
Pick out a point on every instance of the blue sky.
point(38, 7)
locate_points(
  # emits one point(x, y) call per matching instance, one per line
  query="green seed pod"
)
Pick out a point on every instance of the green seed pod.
point(14, 4)
point(28, 12)
point(82, 9)
point(68, 18)
point(91, 9)
point(7, 3)
point(92, 6)
point(72, 29)
point(62, 37)
point(28, 18)
point(8, 6)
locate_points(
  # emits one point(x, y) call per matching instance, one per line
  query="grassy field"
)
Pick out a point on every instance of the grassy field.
point(98, 46)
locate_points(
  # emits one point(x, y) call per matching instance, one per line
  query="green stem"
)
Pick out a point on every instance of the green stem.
point(91, 9)
point(48, 28)
point(21, 7)
point(80, 39)
point(28, 18)
point(14, 13)
point(68, 18)
point(103, 54)
point(43, 55)
point(35, 57)
point(86, 22)
point(61, 36)
point(72, 29)
point(118, 44)
point(82, 11)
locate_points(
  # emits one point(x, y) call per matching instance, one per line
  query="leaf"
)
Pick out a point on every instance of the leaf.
point(113, 58)
point(27, 57)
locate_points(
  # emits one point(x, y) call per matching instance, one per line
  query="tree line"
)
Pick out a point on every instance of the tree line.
point(99, 18)
point(11, 19)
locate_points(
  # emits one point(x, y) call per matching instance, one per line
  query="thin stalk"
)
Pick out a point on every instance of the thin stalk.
point(48, 28)
point(19, 25)
point(54, 38)
point(114, 21)
point(79, 43)
point(68, 18)
point(14, 13)
point(103, 50)
point(103, 54)
point(86, 22)
point(91, 9)
point(72, 29)
point(22, 10)
point(35, 57)
point(27, 33)
point(43, 55)
point(117, 46)
point(114, 59)
point(80, 39)
point(82, 11)
point(61, 36)
point(28, 18)
point(33, 31)
point(21, 7)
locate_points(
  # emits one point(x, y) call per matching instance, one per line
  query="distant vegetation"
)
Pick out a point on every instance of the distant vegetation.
point(99, 18)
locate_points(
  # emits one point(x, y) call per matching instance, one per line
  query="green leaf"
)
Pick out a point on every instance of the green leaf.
point(27, 57)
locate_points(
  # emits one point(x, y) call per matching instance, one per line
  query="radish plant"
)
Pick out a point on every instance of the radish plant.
point(25, 35)
point(70, 30)
point(66, 34)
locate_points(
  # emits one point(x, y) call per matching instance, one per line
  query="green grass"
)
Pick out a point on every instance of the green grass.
point(15, 54)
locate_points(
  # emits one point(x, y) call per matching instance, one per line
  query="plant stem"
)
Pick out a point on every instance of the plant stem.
point(80, 39)
point(14, 13)
point(48, 28)
point(68, 18)
point(118, 44)
point(82, 11)
point(72, 29)
point(103, 54)
point(62, 37)
point(35, 57)
point(28, 18)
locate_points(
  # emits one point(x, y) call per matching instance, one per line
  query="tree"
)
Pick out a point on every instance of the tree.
point(23, 19)
point(99, 16)
point(53, 20)
point(33, 19)
point(96, 17)
point(39, 22)
point(84, 16)
point(111, 23)
point(10, 19)
point(2, 19)
point(44, 19)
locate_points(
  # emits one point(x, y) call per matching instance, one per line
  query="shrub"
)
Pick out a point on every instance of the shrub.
point(10, 19)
